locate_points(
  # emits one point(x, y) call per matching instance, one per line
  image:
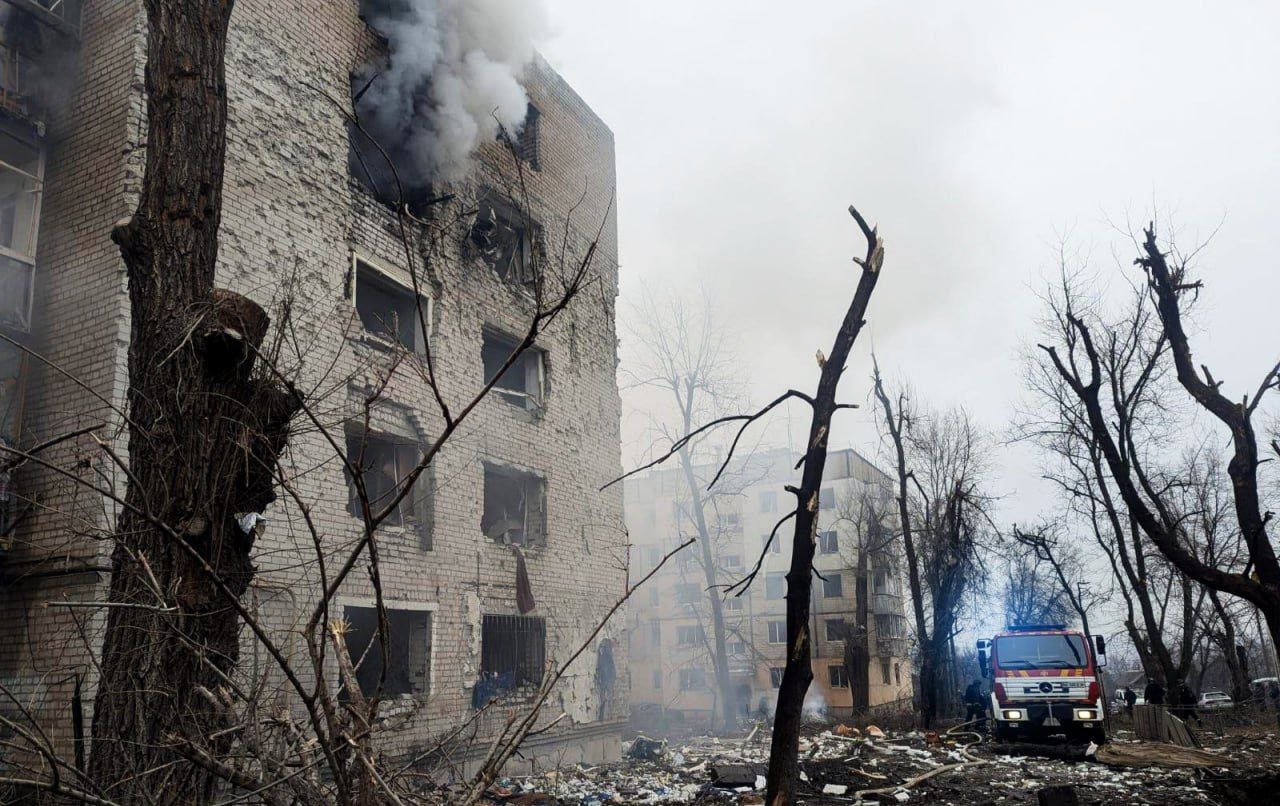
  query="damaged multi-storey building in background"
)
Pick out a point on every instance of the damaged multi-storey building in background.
point(513, 497)
point(672, 678)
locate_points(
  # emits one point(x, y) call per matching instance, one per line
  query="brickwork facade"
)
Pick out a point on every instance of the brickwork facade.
point(294, 221)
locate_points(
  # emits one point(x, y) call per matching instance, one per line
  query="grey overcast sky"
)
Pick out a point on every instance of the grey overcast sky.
point(975, 134)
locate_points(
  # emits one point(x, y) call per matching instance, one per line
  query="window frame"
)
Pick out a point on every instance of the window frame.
point(395, 611)
point(778, 577)
point(531, 151)
point(529, 400)
point(26, 260)
point(777, 631)
point(775, 676)
point(539, 532)
point(392, 281)
point(416, 511)
point(527, 250)
point(828, 542)
point(839, 624)
point(837, 676)
point(528, 671)
point(768, 500)
point(838, 580)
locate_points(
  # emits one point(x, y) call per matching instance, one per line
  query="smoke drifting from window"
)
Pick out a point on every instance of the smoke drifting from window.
point(451, 76)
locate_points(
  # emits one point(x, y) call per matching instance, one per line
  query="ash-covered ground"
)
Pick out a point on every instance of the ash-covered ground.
point(847, 765)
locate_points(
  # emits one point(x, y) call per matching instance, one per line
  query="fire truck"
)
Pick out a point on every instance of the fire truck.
point(1045, 681)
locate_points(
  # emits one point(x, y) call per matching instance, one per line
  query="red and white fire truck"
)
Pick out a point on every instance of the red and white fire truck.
point(1045, 682)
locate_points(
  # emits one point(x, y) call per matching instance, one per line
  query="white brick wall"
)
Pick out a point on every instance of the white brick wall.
point(291, 220)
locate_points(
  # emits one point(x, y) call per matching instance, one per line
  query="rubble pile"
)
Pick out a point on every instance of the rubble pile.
point(848, 765)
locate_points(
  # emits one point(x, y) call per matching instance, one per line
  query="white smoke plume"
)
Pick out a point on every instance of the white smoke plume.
point(452, 74)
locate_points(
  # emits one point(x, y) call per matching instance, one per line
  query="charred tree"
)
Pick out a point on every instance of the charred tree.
point(784, 768)
point(205, 430)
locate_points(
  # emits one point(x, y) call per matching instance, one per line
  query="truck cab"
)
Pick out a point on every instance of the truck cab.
point(1045, 681)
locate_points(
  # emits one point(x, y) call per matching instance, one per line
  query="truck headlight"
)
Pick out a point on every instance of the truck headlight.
point(1085, 715)
point(1012, 714)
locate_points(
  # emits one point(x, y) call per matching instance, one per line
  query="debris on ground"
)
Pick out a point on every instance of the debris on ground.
point(841, 766)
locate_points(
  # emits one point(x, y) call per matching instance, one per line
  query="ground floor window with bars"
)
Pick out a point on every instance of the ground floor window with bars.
point(512, 654)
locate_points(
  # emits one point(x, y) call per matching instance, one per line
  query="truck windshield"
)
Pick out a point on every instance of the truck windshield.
point(1040, 652)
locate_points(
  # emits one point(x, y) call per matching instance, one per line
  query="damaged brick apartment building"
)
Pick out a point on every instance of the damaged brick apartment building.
point(519, 485)
point(673, 681)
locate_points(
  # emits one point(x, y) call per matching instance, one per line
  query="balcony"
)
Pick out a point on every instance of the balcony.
point(892, 646)
point(62, 16)
point(888, 604)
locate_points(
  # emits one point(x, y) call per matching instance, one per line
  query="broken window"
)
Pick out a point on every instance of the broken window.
point(512, 651)
point(408, 650)
point(688, 593)
point(838, 676)
point(833, 586)
point(385, 463)
point(693, 679)
point(515, 504)
point(897, 673)
point(689, 635)
point(775, 585)
point(737, 648)
point(524, 381)
point(527, 143)
point(828, 542)
point(388, 309)
point(827, 498)
point(775, 676)
point(884, 671)
point(835, 629)
point(881, 581)
point(506, 240)
point(769, 501)
point(21, 183)
point(777, 632)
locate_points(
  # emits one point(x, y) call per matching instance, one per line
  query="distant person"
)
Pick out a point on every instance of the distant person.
point(1130, 700)
point(976, 705)
point(1154, 694)
point(1183, 701)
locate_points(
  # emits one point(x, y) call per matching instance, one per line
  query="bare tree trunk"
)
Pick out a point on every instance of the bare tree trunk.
point(857, 640)
point(1234, 660)
point(204, 435)
point(928, 662)
point(784, 769)
point(719, 655)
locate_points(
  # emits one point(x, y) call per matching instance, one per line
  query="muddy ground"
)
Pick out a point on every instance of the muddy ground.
point(1242, 767)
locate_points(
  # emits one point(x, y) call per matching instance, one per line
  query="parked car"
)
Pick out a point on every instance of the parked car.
point(1215, 700)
